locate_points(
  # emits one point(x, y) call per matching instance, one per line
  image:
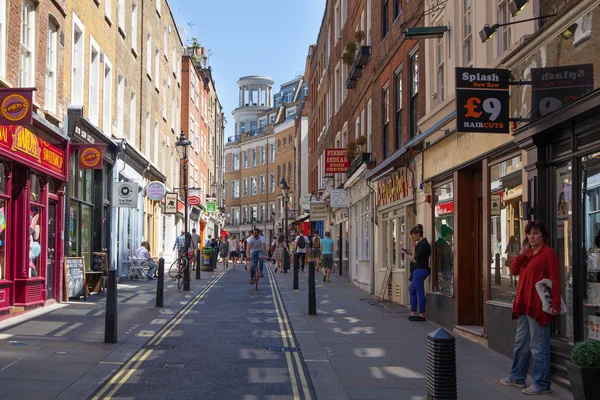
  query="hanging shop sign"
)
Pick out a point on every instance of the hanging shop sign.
point(318, 211)
point(305, 200)
point(171, 203)
point(180, 207)
point(552, 88)
point(395, 187)
point(90, 156)
point(482, 100)
point(338, 198)
point(25, 145)
point(193, 200)
point(16, 106)
point(195, 214)
point(444, 208)
point(211, 206)
point(336, 161)
point(156, 191)
point(125, 194)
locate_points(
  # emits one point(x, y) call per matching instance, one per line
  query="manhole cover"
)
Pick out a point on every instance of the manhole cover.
point(171, 365)
point(283, 349)
point(159, 346)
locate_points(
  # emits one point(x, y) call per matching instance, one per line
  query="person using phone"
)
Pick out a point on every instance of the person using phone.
point(535, 261)
point(419, 271)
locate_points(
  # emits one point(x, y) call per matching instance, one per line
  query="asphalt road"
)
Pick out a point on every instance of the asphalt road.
point(225, 344)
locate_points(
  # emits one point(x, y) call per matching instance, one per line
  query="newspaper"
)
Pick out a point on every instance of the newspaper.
point(544, 290)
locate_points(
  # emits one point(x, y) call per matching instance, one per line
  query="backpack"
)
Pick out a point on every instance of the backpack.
point(301, 242)
point(316, 242)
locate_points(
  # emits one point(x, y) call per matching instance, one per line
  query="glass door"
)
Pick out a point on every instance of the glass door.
point(51, 259)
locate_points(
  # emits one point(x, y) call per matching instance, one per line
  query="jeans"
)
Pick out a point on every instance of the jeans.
point(301, 256)
point(531, 339)
point(417, 290)
point(256, 256)
point(151, 267)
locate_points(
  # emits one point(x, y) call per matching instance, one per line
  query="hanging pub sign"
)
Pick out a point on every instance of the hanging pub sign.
point(90, 156)
point(336, 161)
point(171, 203)
point(554, 87)
point(16, 106)
point(482, 100)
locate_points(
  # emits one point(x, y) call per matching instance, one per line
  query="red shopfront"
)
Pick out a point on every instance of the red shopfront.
point(32, 176)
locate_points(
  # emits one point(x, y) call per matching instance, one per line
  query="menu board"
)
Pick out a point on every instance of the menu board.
point(74, 277)
point(385, 283)
point(100, 262)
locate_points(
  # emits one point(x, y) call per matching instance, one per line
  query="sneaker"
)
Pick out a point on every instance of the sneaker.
point(261, 275)
point(150, 277)
point(533, 390)
point(324, 278)
point(508, 382)
point(251, 281)
point(418, 318)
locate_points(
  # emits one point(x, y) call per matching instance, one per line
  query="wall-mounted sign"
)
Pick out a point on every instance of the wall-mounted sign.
point(171, 203)
point(193, 200)
point(338, 198)
point(84, 133)
point(125, 194)
point(23, 144)
point(318, 211)
point(444, 208)
point(211, 206)
point(180, 207)
point(305, 200)
point(395, 187)
point(336, 161)
point(496, 205)
point(156, 191)
point(16, 106)
point(482, 100)
point(554, 87)
point(90, 156)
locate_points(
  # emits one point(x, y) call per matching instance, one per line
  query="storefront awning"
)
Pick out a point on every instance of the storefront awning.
point(300, 220)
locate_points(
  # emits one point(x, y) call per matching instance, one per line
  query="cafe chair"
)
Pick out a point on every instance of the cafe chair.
point(137, 271)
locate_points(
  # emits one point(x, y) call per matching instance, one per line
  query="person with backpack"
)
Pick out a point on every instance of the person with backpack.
point(301, 243)
point(316, 249)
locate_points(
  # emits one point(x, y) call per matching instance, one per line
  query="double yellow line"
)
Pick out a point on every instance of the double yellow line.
point(136, 361)
point(289, 341)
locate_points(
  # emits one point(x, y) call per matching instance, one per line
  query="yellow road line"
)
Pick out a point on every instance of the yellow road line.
point(143, 353)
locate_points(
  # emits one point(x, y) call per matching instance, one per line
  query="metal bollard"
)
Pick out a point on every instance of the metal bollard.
point(441, 365)
point(160, 284)
point(198, 263)
point(312, 296)
point(110, 320)
point(296, 262)
point(286, 261)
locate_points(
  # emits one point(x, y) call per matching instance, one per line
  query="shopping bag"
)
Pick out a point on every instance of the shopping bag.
point(544, 290)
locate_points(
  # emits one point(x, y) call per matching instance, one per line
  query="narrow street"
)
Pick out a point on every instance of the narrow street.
point(228, 342)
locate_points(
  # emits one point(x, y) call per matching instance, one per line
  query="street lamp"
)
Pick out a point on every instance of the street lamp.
point(181, 145)
point(285, 192)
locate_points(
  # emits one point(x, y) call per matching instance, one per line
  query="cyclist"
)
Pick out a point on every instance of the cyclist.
point(257, 248)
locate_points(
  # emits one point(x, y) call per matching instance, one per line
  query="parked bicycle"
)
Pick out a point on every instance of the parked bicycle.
point(177, 269)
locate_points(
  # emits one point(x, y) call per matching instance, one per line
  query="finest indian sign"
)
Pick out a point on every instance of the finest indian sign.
point(25, 145)
point(336, 161)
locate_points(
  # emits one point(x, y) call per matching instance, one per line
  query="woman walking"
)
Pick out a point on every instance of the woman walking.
point(243, 251)
point(419, 271)
point(224, 251)
point(278, 254)
point(536, 261)
point(233, 250)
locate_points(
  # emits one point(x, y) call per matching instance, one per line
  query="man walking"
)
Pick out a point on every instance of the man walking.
point(179, 243)
point(195, 247)
point(301, 243)
point(327, 249)
point(316, 249)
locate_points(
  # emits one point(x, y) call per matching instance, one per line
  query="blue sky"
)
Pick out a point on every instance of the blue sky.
point(260, 37)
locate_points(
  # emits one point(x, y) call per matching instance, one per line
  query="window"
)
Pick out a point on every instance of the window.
point(503, 34)
point(2, 43)
point(272, 155)
point(279, 173)
point(155, 142)
point(262, 184)
point(149, 54)
point(262, 154)
point(271, 183)
point(245, 188)
point(271, 215)
point(397, 8)
point(27, 61)
point(398, 107)
point(235, 216)
point(279, 143)
point(51, 57)
point(253, 186)
point(414, 94)
point(290, 179)
point(285, 171)
point(121, 15)
point(134, 25)
point(133, 118)
point(290, 139)
point(385, 113)
point(368, 22)
point(506, 226)
point(173, 113)
point(253, 157)
point(236, 161)
point(284, 141)
point(357, 127)
point(363, 221)
point(158, 6)
point(242, 128)
point(443, 248)
point(120, 103)
point(338, 21)
point(384, 19)
point(467, 33)
point(107, 98)
point(156, 66)
point(94, 88)
point(166, 42)
point(369, 125)
point(164, 103)
point(337, 87)
point(440, 72)
point(108, 9)
point(244, 215)
point(147, 135)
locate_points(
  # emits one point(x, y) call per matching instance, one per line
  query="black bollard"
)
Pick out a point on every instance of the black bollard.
point(312, 296)
point(441, 365)
point(296, 262)
point(286, 261)
point(160, 284)
point(110, 321)
point(198, 264)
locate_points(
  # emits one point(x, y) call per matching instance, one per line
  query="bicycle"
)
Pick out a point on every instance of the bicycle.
point(177, 269)
point(255, 263)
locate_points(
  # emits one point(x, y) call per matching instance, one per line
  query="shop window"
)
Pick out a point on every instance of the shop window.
point(564, 243)
point(34, 189)
point(443, 262)
point(3, 235)
point(35, 240)
point(3, 185)
point(507, 228)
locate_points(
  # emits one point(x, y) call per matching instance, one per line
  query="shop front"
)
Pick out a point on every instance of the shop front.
point(33, 172)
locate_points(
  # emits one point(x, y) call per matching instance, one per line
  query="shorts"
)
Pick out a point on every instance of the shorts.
point(242, 254)
point(316, 252)
point(233, 254)
point(328, 261)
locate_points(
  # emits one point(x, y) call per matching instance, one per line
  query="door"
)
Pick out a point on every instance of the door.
point(52, 246)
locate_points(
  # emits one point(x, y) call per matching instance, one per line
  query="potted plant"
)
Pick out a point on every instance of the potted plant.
point(351, 148)
point(351, 47)
point(584, 370)
point(361, 142)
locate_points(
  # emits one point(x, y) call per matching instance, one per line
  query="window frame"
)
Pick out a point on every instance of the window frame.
point(51, 85)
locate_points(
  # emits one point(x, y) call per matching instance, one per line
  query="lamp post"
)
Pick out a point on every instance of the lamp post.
point(285, 192)
point(181, 145)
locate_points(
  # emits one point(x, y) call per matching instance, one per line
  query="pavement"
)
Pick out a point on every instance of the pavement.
point(358, 348)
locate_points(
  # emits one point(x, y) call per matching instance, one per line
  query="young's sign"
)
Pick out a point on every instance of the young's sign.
point(482, 100)
point(16, 106)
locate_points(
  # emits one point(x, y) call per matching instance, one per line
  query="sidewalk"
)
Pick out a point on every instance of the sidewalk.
point(59, 351)
point(357, 348)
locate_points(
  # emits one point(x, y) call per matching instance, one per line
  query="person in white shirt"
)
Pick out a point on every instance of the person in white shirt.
point(143, 253)
point(301, 244)
point(257, 248)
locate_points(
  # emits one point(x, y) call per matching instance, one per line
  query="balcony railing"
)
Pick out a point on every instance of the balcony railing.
point(234, 139)
point(361, 60)
point(363, 158)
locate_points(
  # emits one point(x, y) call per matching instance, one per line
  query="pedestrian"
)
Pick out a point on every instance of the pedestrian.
point(301, 243)
point(316, 249)
point(179, 243)
point(224, 251)
point(419, 271)
point(143, 253)
point(326, 246)
point(243, 252)
point(208, 241)
point(279, 253)
point(233, 250)
point(257, 248)
point(195, 247)
point(536, 261)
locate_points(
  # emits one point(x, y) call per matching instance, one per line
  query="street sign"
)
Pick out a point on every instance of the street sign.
point(171, 203)
point(211, 206)
point(305, 200)
point(155, 191)
point(125, 194)
point(482, 100)
point(318, 211)
point(193, 200)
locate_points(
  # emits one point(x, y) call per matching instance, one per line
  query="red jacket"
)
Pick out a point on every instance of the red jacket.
point(531, 269)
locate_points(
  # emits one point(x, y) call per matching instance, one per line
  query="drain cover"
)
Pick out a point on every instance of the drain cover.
point(171, 365)
point(283, 349)
point(159, 346)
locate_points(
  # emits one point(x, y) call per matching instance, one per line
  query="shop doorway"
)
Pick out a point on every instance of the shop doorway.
point(52, 246)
